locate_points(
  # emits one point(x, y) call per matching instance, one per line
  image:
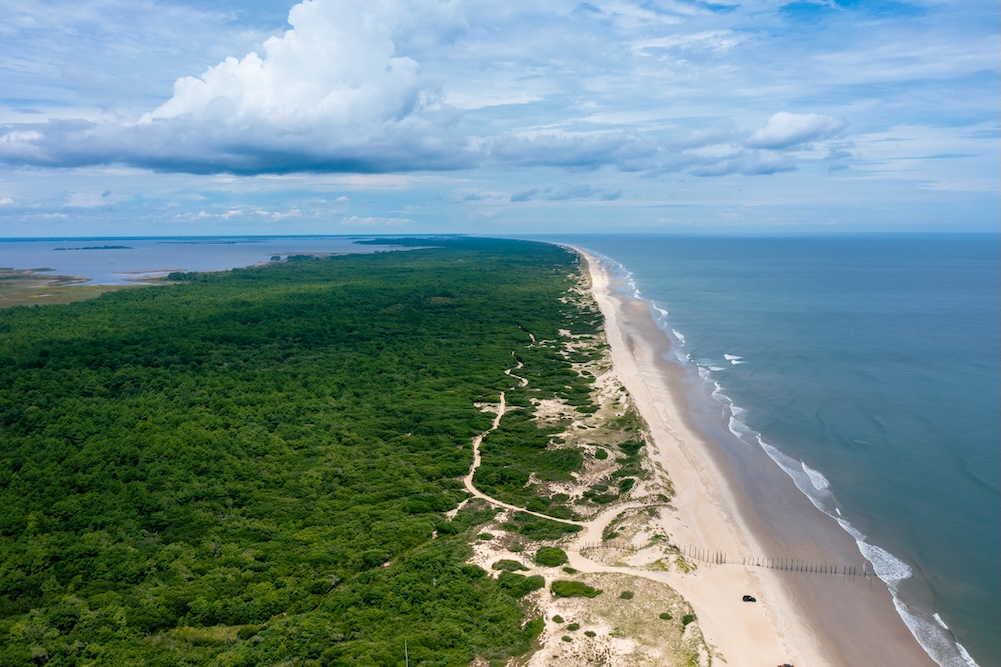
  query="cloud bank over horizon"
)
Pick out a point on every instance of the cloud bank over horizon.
point(621, 94)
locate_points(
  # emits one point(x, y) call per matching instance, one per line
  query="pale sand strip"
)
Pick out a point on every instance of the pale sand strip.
point(856, 621)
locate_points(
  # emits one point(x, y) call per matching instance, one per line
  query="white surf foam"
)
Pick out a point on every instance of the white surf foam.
point(740, 429)
point(820, 482)
point(933, 634)
point(800, 477)
point(937, 641)
point(680, 336)
point(734, 359)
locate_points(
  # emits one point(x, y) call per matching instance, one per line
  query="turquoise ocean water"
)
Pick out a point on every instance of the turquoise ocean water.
point(868, 368)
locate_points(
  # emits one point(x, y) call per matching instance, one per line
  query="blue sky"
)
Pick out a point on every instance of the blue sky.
point(165, 117)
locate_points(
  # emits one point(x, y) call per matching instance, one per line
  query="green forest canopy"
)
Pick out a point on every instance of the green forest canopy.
point(248, 467)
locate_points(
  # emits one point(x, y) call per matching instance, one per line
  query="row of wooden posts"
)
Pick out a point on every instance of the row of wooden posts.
point(789, 564)
point(720, 558)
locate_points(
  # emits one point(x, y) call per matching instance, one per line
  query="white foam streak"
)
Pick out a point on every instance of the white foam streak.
point(935, 638)
point(680, 336)
point(820, 482)
point(941, 646)
point(739, 428)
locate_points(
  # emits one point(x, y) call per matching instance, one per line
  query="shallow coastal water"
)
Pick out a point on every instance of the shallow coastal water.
point(868, 369)
point(115, 261)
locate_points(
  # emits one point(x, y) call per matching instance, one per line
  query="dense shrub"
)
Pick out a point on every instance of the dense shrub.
point(507, 565)
point(573, 589)
point(550, 556)
point(518, 585)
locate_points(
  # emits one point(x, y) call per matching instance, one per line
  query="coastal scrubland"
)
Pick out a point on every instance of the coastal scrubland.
point(26, 287)
point(263, 466)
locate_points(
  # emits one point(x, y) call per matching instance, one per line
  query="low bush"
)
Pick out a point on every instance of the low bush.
point(626, 595)
point(539, 529)
point(550, 556)
point(518, 585)
point(507, 565)
point(666, 616)
point(573, 589)
point(687, 618)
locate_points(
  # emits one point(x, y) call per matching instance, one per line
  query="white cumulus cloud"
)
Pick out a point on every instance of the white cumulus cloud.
point(785, 130)
point(333, 93)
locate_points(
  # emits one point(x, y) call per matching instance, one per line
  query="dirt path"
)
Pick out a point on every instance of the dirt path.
point(593, 529)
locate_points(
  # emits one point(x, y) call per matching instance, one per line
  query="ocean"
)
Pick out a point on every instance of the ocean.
point(867, 367)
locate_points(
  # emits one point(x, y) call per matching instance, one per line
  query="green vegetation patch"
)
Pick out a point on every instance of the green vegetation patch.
point(573, 589)
point(518, 585)
point(507, 565)
point(550, 556)
point(536, 529)
point(249, 467)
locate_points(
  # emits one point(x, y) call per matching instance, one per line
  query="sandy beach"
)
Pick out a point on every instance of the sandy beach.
point(733, 500)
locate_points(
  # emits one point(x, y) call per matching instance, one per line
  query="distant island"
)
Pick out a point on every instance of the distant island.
point(99, 247)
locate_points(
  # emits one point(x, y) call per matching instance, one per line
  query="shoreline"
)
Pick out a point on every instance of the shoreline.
point(735, 500)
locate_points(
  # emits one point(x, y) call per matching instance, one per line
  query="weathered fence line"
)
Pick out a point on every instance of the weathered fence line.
point(721, 558)
point(618, 545)
point(788, 564)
